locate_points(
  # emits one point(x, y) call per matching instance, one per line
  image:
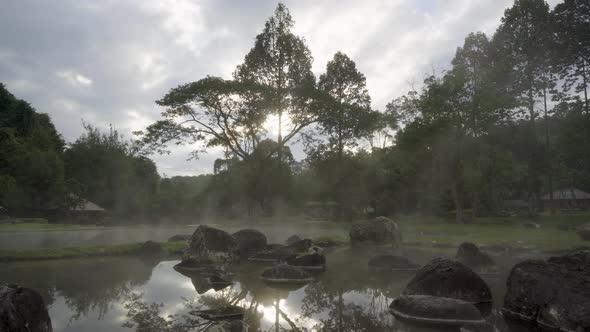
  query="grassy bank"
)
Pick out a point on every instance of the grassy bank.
point(79, 252)
point(508, 232)
point(28, 226)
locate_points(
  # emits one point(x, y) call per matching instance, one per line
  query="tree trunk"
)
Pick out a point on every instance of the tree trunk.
point(457, 202)
point(585, 79)
point(547, 152)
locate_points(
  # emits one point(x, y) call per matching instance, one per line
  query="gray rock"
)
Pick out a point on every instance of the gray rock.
point(311, 262)
point(432, 310)
point(292, 239)
point(151, 248)
point(211, 243)
point(446, 278)
point(22, 310)
point(530, 224)
point(584, 232)
point(554, 294)
point(470, 255)
point(273, 254)
point(301, 245)
point(285, 274)
point(249, 241)
point(380, 230)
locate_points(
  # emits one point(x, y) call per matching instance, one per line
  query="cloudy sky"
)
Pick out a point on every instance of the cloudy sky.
point(105, 62)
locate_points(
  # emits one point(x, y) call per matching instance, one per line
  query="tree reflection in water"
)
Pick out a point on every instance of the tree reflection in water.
point(87, 285)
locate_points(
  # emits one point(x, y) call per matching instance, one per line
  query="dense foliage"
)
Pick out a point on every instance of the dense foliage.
point(509, 120)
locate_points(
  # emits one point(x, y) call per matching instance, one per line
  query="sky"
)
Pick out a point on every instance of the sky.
point(106, 62)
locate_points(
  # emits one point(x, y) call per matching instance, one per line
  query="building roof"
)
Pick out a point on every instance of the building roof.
point(82, 204)
point(567, 194)
point(87, 206)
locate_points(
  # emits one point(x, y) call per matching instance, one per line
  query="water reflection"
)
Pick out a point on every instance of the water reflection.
point(101, 294)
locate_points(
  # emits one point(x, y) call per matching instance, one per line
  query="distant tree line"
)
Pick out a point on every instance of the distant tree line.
point(509, 120)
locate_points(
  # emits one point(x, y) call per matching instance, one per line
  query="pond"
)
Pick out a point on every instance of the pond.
point(91, 294)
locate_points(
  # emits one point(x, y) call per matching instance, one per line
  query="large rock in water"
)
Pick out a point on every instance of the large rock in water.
point(249, 241)
point(439, 311)
point(151, 248)
point(310, 262)
point(584, 232)
point(285, 274)
point(301, 245)
point(446, 278)
point(273, 254)
point(553, 293)
point(22, 310)
point(210, 243)
point(470, 255)
point(380, 230)
point(292, 239)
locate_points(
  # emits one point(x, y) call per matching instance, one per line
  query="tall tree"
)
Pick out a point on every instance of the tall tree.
point(347, 114)
point(572, 46)
point(524, 41)
point(281, 61)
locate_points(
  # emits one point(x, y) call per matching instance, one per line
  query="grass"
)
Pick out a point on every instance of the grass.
point(31, 226)
point(427, 231)
point(78, 252)
point(509, 232)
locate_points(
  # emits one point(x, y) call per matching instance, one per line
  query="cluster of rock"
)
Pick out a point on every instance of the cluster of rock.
point(470, 255)
point(553, 294)
point(443, 293)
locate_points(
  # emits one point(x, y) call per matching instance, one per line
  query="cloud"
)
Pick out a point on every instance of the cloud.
point(107, 62)
point(73, 78)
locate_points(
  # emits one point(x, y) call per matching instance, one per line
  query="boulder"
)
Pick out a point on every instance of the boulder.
point(432, 310)
point(151, 248)
point(310, 262)
point(446, 278)
point(286, 274)
point(326, 244)
point(22, 310)
point(301, 245)
point(249, 241)
point(391, 263)
point(584, 232)
point(470, 255)
point(273, 255)
point(211, 243)
point(530, 224)
point(380, 230)
point(179, 237)
point(555, 294)
point(292, 239)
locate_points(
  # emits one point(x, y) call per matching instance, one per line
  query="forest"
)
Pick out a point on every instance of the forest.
point(508, 120)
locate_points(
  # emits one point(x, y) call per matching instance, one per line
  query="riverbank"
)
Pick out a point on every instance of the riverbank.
point(81, 252)
point(555, 234)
